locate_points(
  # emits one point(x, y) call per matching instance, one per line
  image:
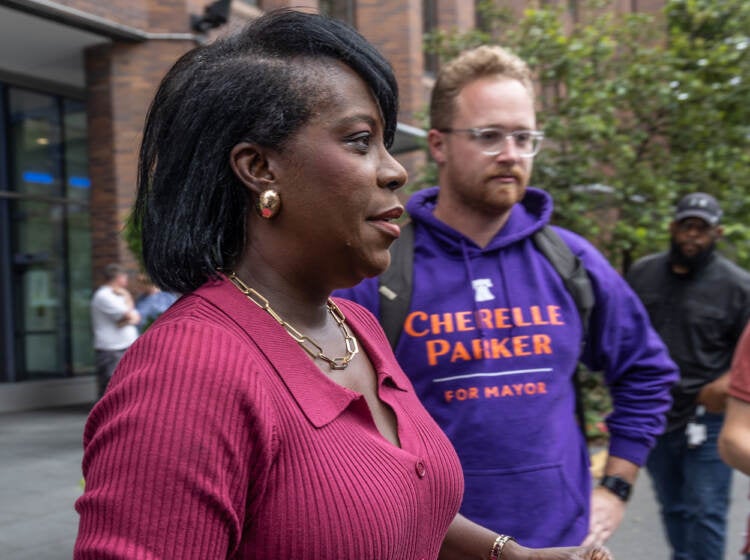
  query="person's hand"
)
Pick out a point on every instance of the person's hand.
point(607, 511)
point(714, 395)
point(132, 317)
point(466, 539)
point(514, 551)
point(598, 552)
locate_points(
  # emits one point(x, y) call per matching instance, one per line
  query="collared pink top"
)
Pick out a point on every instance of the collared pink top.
point(739, 379)
point(739, 388)
point(219, 438)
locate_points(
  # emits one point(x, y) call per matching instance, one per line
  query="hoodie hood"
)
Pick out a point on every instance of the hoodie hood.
point(528, 216)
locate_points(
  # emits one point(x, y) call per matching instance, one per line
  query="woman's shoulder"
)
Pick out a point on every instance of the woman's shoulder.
point(198, 340)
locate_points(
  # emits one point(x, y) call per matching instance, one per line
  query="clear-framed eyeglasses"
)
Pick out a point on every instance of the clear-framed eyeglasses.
point(492, 140)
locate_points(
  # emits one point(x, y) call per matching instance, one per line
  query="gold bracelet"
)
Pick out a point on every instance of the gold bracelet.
point(496, 552)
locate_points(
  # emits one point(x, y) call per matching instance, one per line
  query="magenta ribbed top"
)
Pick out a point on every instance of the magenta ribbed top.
point(219, 438)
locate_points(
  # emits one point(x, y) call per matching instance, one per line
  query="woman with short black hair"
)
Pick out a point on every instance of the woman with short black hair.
point(258, 417)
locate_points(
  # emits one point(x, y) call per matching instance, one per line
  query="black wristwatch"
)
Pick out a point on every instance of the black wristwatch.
point(617, 485)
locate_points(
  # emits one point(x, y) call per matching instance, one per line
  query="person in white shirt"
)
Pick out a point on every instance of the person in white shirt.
point(114, 321)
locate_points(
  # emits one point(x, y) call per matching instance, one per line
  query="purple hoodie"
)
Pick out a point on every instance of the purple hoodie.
point(491, 344)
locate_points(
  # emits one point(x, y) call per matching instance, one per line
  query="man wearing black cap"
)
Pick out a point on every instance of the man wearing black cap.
point(699, 303)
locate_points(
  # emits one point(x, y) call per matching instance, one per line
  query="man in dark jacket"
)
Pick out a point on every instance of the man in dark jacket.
point(699, 302)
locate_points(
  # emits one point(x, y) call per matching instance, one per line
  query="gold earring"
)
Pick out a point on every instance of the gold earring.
point(269, 203)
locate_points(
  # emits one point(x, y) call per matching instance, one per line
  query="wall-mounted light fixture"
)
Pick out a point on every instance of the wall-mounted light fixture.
point(214, 15)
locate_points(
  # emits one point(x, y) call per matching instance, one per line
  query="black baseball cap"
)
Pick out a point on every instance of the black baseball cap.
point(698, 205)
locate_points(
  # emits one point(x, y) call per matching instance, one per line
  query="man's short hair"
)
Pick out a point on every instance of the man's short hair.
point(469, 66)
point(113, 270)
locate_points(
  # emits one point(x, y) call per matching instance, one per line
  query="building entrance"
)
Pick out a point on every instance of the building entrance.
point(45, 240)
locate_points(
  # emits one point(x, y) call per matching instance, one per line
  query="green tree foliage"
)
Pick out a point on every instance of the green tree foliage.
point(131, 233)
point(637, 109)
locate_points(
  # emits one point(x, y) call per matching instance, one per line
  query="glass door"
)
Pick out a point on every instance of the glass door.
point(37, 234)
point(48, 225)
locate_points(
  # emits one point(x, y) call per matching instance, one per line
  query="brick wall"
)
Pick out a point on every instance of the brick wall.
point(121, 80)
point(455, 14)
point(395, 28)
point(305, 5)
point(133, 13)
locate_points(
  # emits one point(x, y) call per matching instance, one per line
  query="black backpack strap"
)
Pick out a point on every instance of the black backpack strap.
point(577, 282)
point(395, 285)
point(571, 270)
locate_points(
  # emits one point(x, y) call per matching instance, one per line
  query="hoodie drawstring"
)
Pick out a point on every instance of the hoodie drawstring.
point(470, 274)
point(506, 291)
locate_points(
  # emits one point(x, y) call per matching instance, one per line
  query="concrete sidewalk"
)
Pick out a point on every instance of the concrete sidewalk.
point(40, 466)
point(40, 470)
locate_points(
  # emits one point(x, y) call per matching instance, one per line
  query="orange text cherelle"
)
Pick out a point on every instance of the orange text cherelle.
point(433, 326)
point(419, 323)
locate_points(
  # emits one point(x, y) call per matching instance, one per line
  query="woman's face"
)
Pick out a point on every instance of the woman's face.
point(337, 183)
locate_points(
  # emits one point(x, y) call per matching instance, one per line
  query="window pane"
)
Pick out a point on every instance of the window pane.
point(38, 271)
point(45, 237)
point(35, 138)
point(78, 185)
point(79, 235)
point(38, 235)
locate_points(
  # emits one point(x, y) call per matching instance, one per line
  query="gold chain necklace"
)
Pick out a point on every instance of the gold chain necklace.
point(307, 343)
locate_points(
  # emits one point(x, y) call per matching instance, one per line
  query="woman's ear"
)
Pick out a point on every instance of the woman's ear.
point(250, 164)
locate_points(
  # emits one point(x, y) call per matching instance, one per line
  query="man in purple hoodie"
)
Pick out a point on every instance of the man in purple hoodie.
point(492, 337)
